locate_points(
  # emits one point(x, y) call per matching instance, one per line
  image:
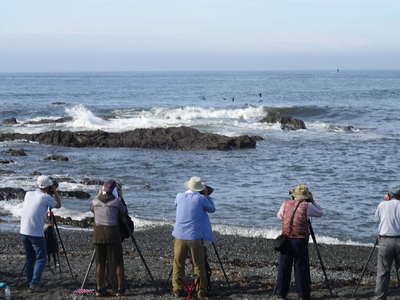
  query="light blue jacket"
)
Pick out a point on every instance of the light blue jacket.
point(192, 220)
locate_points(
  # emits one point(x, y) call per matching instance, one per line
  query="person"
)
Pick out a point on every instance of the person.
point(302, 206)
point(34, 211)
point(388, 216)
point(192, 226)
point(107, 207)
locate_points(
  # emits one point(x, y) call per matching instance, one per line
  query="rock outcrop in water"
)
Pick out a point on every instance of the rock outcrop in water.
point(47, 121)
point(10, 121)
point(287, 123)
point(15, 152)
point(173, 138)
point(56, 157)
point(8, 193)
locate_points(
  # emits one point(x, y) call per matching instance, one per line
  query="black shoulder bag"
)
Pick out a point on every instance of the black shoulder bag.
point(125, 223)
point(280, 243)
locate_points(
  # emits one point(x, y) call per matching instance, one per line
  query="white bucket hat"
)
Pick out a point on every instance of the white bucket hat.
point(44, 182)
point(194, 184)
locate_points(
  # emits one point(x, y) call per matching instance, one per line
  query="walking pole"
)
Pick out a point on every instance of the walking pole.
point(144, 262)
point(320, 258)
point(88, 269)
point(365, 267)
point(220, 263)
point(62, 244)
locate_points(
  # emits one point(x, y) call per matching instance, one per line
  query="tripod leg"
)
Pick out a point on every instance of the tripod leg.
point(320, 258)
point(88, 269)
point(63, 248)
point(365, 268)
point(220, 263)
point(144, 262)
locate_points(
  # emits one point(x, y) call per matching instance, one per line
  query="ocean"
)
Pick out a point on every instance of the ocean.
point(348, 155)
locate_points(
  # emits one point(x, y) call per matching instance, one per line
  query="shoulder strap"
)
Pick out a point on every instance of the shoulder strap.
point(292, 217)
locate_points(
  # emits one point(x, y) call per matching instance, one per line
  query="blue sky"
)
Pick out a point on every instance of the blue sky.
point(130, 35)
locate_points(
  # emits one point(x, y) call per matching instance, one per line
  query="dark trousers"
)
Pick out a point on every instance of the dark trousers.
point(296, 254)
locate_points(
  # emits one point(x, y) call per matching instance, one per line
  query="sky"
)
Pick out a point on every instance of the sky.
point(175, 35)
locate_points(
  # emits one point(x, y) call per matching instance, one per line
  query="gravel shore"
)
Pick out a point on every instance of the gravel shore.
point(250, 264)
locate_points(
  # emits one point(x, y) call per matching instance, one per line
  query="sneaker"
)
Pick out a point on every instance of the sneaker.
point(101, 293)
point(37, 288)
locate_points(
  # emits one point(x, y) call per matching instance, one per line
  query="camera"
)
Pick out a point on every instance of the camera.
point(53, 187)
point(209, 190)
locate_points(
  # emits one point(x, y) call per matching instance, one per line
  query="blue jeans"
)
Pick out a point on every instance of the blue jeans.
point(35, 248)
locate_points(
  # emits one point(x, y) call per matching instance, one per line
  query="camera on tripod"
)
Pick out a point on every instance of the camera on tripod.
point(53, 187)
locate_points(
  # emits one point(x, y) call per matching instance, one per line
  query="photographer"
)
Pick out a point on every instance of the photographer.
point(34, 212)
point(295, 216)
point(107, 206)
point(192, 225)
point(388, 216)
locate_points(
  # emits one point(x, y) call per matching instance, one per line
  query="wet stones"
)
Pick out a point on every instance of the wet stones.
point(6, 172)
point(287, 122)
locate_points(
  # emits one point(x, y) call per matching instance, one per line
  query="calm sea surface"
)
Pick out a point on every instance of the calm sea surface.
point(347, 168)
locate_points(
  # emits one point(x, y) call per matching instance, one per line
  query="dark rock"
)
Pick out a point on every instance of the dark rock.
point(2, 161)
point(173, 138)
point(36, 173)
point(10, 121)
point(75, 194)
point(56, 157)
point(287, 123)
point(8, 193)
point(47, 121)
point(5, 172)
point(88, 181)
point(85, 223)
point(63, 179)
point(58, 103)
point(107, 117)
point(16, 152)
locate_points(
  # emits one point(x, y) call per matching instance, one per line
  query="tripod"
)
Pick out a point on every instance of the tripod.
point(136, 246)
point(54, 221)
point(319, 257)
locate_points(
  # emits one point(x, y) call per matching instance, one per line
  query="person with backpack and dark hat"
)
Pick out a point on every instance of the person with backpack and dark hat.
point(34, 211)
point(107, 207)
point(192, 226)
point(388, 216)
point(295, 216)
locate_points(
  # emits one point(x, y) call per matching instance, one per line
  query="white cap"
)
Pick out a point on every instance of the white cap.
point(44, 182)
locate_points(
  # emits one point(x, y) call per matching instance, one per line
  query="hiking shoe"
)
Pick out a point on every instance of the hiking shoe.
point(36, 288)
point(119, 293)
point(101, 293)
point(179, 294)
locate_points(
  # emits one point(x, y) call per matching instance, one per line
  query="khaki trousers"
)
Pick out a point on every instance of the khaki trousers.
point(181, 249)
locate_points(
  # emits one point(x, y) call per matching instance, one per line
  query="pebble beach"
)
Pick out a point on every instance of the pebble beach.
point(250, 264)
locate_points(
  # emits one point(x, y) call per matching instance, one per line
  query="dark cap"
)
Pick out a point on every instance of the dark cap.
point(395, 191)
point(109, 186)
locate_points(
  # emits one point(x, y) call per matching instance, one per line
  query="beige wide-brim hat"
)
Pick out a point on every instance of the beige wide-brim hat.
point(194, 184)
point(44, 182)
point(301, 192)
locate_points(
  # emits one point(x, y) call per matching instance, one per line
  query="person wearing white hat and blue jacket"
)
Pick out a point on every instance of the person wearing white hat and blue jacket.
point(34, 211)
point(192, 226)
